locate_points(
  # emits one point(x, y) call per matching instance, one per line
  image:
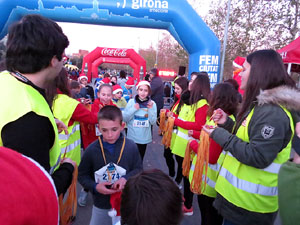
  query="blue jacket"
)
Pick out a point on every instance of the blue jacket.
point(132, 116)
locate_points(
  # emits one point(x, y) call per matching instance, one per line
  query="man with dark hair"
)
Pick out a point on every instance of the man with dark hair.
point(107, 163)
point(157, 90)
point(35, 48)
point(151, 197)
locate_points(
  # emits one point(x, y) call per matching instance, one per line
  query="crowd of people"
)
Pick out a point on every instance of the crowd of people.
point(229, 146)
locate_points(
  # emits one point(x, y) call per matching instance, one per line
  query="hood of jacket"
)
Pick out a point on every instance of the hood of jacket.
point(283, 95)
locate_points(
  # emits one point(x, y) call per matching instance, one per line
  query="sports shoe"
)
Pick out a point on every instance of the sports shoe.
point(82, 198)
point(187, 212)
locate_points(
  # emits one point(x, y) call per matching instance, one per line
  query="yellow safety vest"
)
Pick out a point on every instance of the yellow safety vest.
point(174, 130)
point(248, 187)
point(18, 99)
point(63, 109)
point(212, 171)
point(187, 113)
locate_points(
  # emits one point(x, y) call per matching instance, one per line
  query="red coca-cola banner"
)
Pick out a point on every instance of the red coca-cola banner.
point(136, 61)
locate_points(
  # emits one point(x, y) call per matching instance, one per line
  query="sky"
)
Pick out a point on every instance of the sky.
point(88, 37)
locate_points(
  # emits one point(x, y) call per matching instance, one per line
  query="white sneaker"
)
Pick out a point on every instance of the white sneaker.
point(82, 199)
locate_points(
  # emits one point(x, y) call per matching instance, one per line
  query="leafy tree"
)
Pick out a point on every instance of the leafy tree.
point(253, 25)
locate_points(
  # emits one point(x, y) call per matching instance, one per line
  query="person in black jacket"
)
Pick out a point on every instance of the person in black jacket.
point(157, 90)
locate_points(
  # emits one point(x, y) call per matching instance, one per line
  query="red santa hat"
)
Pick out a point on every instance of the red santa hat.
point(81, 76)
point(115, 202)
point(142, 82)
point(117, 88)
point(105, 80)
point(238, 62)
point(28, 192)
point(130, 81)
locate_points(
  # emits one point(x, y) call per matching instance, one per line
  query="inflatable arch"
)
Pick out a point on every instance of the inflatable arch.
point(176, 16)
point(89, 61)
point(125, 61)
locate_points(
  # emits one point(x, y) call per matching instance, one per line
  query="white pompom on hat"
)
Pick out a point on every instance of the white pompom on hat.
point(82, 76)
point(117, 88)
point(142, 82)
point(238, 62)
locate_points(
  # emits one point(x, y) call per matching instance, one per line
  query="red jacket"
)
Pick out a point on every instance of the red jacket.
point(88, 131)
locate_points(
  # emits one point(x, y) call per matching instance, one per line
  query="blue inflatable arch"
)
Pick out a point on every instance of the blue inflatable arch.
point(176, 16)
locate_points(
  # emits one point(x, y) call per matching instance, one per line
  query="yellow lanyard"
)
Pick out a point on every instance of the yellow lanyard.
point(103, 154)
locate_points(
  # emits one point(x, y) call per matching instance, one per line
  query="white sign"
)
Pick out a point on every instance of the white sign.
point(210, 64)
point(117, 52)
point(159, 6)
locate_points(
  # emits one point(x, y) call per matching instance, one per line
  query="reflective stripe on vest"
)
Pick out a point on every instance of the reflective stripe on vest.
point(63, 109)
point(70, 147)
point(65, 137)
point(248, 187)
point(187, 113)
point(272, 168)
point(184, 136)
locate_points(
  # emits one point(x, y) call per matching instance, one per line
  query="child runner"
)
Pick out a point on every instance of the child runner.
point(127, 88)
point(118, 100)
point(90, 132)
point(108, 163)
point(140, 114)
point(86, 91)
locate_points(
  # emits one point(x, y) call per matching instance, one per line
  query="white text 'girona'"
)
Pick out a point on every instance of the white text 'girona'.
point(158, 4)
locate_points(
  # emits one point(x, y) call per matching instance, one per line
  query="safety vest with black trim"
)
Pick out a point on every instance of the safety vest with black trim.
point(212, 170)
point(248, 187)
point(17, 100)
point(63, 109)
point(187, 113)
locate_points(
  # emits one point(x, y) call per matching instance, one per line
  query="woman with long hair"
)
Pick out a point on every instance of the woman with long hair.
point(180, 85)
point(223, 96)
point(260, 144)
point(192, 116)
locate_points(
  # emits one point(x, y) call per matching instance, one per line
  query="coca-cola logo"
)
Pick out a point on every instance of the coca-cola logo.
point(114, 52)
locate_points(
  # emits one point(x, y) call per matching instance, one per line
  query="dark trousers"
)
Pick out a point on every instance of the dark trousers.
point(209, 215)
point(142, 149)
point(170, 161)
point(187, 194)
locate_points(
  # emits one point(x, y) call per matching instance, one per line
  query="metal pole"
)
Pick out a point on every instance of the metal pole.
point(225, 40)
point(155, 65)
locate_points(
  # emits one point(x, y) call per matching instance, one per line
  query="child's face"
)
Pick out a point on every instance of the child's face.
point(114, 79)
point(111, 130)
point(118, 95)
point(143, 91)
point(83, 81)
point(128, 87)
point(105, 95)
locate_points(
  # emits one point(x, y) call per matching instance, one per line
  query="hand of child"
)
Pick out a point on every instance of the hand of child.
point(137, 106)
point(150, 104)
point(102, 189)
point(119, 184)
point(190, 133)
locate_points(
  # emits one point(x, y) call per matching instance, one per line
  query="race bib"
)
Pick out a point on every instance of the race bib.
point(140, 123)
point(109, 173)
point(98, 133)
